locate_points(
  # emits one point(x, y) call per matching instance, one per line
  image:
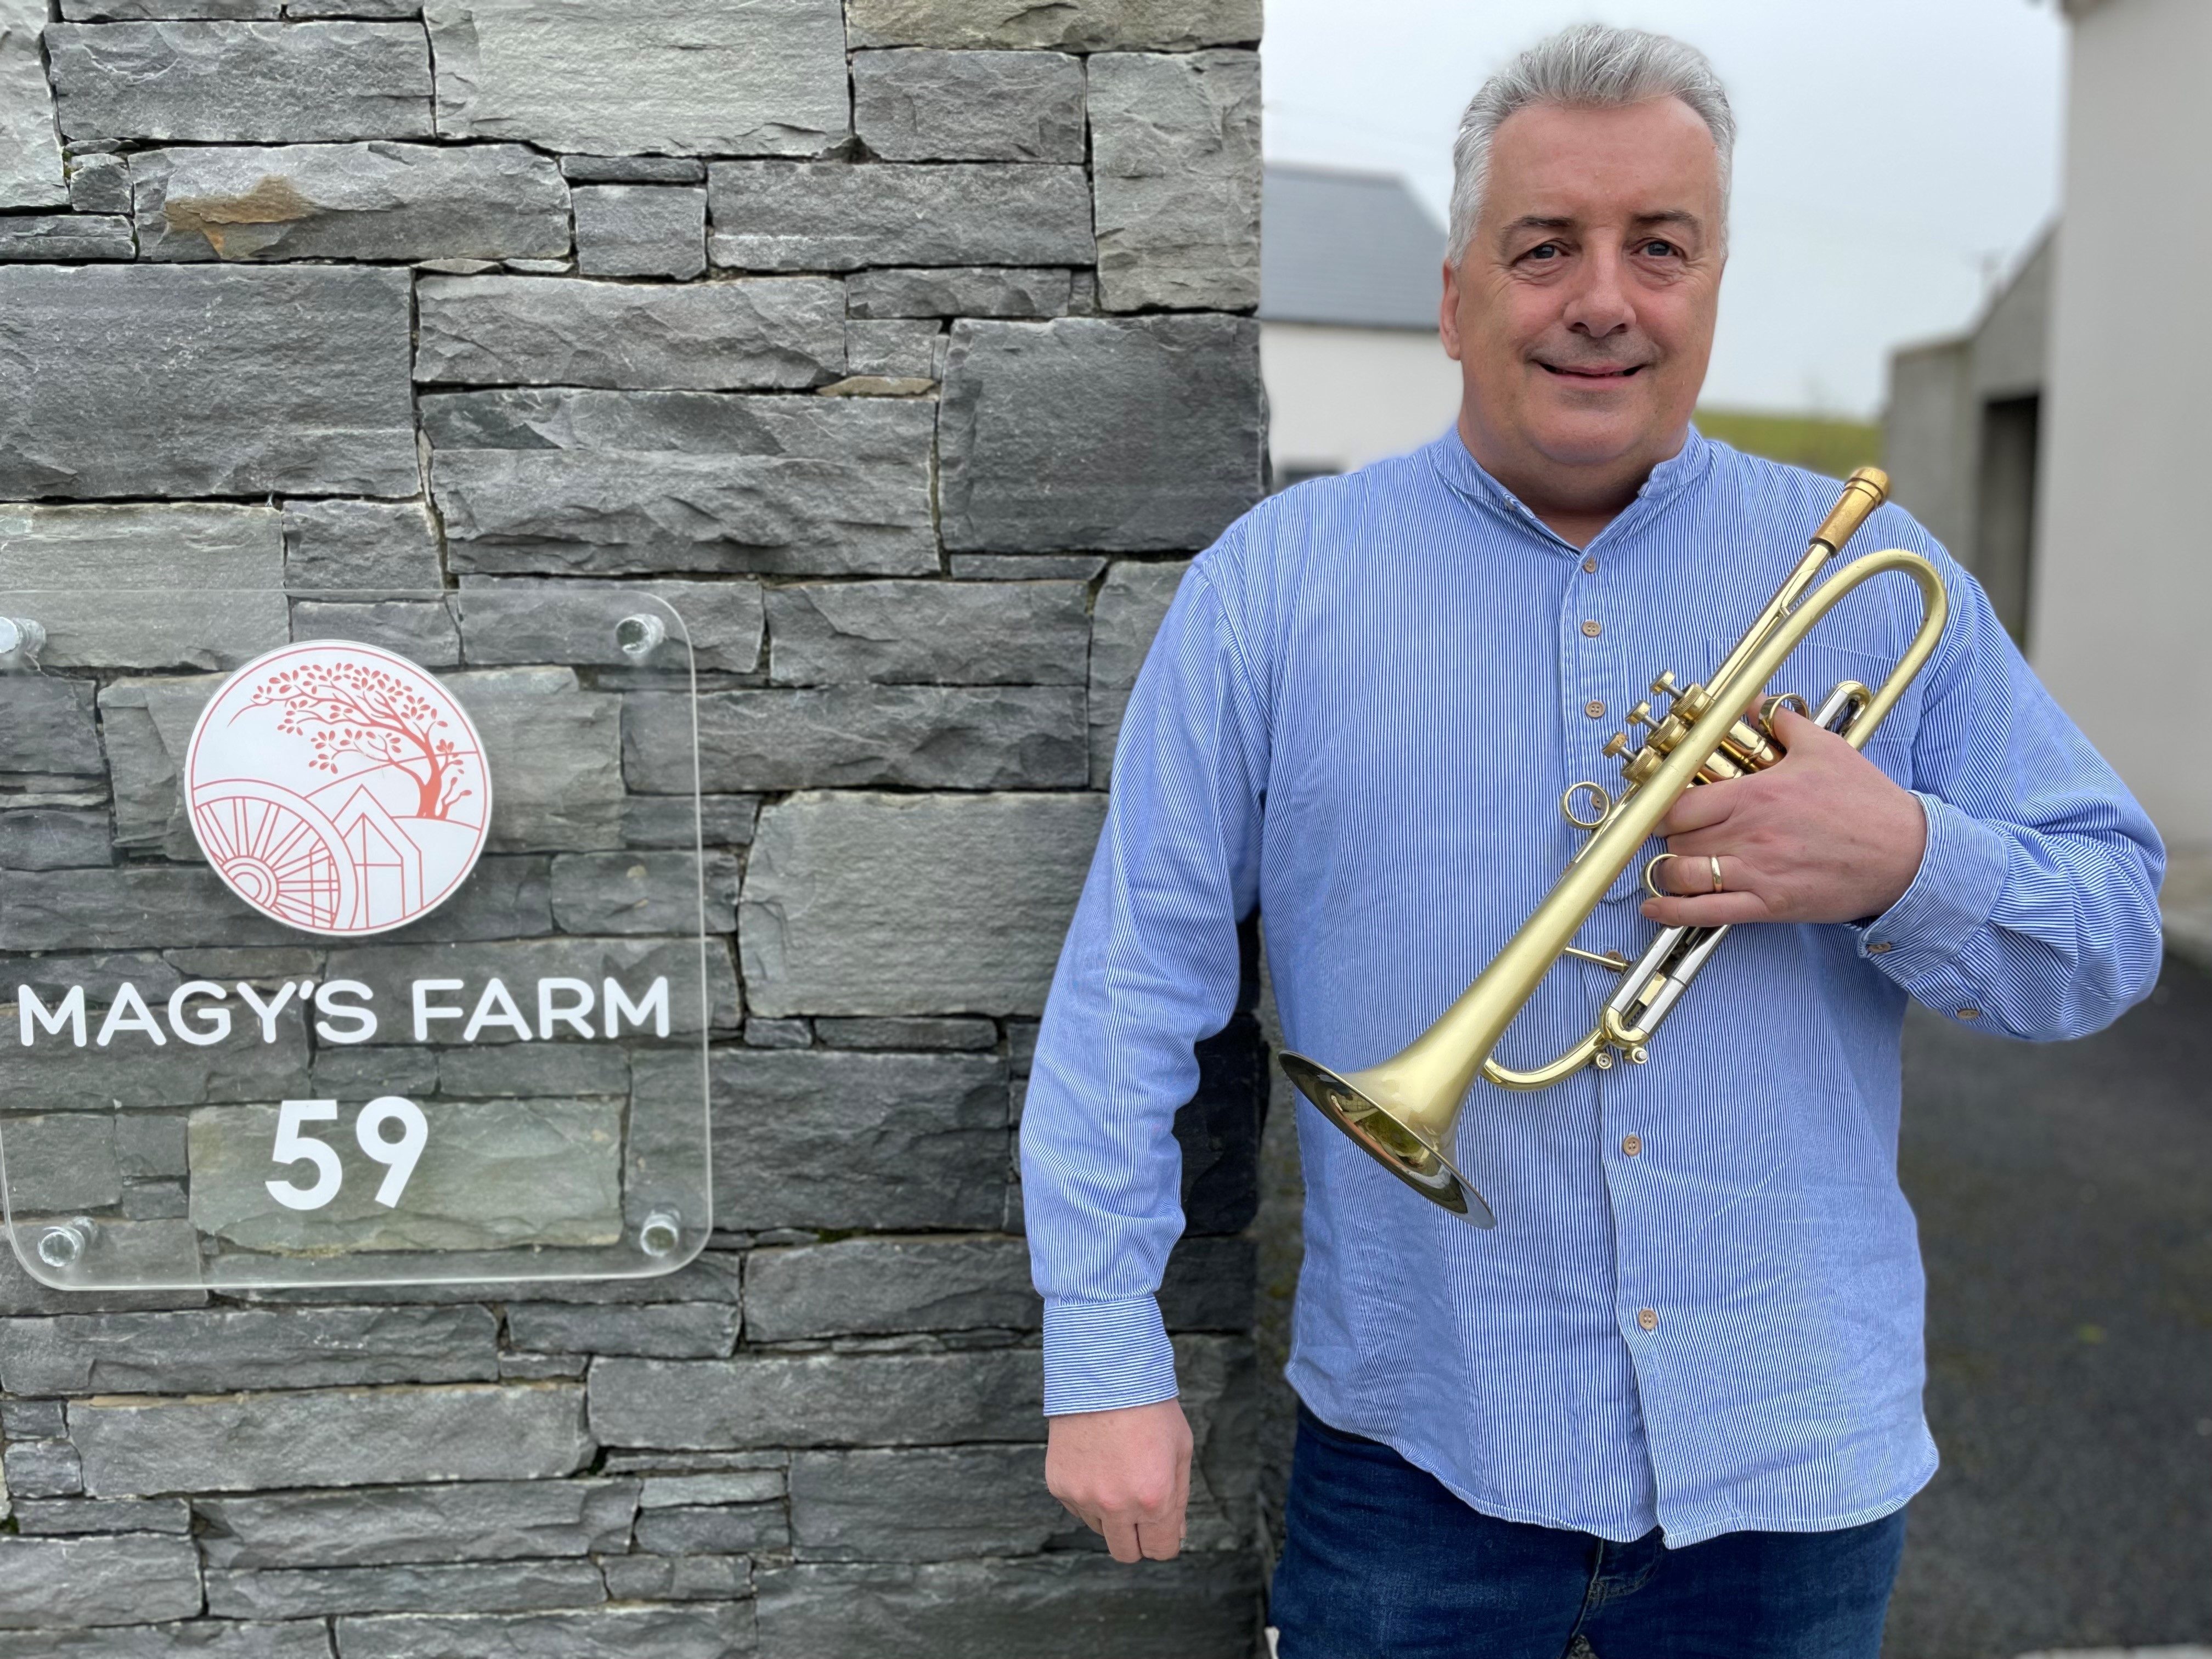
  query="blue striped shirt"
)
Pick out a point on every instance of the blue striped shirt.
point(1358, 717)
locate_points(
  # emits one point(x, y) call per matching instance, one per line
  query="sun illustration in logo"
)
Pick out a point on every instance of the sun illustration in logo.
point(338, 788)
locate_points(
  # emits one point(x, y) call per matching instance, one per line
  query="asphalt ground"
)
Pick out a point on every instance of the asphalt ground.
point(2064, 1192)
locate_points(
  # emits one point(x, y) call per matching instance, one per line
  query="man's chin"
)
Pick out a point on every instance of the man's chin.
point(1584, 438)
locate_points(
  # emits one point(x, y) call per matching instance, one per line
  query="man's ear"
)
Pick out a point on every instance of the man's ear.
point(1447, 313)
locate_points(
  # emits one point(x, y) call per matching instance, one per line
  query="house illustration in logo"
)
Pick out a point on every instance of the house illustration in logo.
point(338, 788)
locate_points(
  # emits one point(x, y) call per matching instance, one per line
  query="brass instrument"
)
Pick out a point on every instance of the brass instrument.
point(1404, 1111)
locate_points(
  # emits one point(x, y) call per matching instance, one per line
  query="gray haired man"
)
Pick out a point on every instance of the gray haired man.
point(1671, 1406)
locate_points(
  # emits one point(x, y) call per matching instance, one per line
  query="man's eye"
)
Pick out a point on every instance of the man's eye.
point(1658, 249)
point(1544, 251)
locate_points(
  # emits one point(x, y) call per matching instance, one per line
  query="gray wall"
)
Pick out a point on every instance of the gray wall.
point(912, 337)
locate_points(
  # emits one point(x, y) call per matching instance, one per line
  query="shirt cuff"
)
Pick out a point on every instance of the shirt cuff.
point(1961, 873)
point(1100, 1356)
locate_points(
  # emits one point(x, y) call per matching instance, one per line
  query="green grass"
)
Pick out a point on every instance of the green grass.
point(1825, 445)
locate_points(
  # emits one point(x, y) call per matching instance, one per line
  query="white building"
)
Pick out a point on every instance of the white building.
point(1351, 275)
point(2060, 447)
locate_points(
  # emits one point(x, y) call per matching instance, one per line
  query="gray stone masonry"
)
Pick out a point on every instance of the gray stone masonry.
point(898, 355)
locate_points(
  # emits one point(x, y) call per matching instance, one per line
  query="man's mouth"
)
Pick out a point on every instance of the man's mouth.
point(1600, 372)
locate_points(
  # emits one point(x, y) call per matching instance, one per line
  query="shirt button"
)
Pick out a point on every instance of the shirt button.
point(1631, 1145)
point(1648, 1320)
point(1970, 1014)
point(1590, 564)
point(1595, 709)
point(1592, 628)
point(1879, 948)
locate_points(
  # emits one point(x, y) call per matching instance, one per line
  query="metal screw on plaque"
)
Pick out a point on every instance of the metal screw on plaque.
point(660, 1233)
point(638, 635)
point(64, 1246)
point(21, 637)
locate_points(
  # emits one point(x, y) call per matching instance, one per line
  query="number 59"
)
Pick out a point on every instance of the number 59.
point(398, 1157)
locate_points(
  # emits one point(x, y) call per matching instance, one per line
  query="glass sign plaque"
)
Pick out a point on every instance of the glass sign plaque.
point(369, 944)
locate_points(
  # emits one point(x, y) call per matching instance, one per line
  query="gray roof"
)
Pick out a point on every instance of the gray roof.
point(1349, 248)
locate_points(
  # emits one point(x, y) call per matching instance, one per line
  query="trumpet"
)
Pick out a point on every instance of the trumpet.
point(1404, 1111)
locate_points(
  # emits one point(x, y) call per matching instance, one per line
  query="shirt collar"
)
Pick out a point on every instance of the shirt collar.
point(1686, 468)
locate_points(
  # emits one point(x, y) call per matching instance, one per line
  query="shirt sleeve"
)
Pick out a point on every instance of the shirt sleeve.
point(2035, 909)
point(1149, 967)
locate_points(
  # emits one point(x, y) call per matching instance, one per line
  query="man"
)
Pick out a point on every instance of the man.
point(1672, 1404)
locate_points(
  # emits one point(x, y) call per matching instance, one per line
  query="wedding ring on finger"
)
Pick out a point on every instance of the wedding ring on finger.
point(1713, 858)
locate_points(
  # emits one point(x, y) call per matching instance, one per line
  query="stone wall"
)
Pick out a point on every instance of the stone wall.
point(905, 346)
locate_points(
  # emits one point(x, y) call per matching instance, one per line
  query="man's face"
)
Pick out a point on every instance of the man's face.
point(1581, 315)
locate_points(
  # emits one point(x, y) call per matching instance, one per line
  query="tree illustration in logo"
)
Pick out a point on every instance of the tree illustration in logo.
point(349, 708)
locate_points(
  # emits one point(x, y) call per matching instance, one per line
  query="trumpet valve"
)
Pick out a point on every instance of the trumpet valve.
point(1664, 686)
point(1615, 746)
point(1643, 766)
point(1641, 714)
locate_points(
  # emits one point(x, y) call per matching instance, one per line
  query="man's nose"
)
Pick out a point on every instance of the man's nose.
point(1600, 306)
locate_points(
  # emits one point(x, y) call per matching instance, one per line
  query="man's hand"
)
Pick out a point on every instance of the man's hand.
point(1124, 1474)
point(1823, 836)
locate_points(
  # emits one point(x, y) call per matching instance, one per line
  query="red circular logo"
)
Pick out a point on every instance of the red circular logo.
point(337, 789)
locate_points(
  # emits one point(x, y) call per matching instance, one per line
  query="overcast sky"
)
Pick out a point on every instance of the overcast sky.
point(1890, 152)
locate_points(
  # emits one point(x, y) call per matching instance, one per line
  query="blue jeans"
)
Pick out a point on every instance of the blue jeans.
point(1381, 1562)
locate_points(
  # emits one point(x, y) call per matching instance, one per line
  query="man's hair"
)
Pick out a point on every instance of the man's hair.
point(1589, 66)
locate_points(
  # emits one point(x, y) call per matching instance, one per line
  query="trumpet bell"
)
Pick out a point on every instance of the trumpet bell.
point(1402, 1148)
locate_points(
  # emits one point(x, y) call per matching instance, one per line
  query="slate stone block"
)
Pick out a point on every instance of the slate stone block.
point(21, 1294)
point(1211, 1284)
point(747, 1486)
point(920, 737)
point(140, 11)
point(1117, 436)
point(422, 630)
point(767, 78)
point(471, 1521)
point(633, 892)
point(507, 1173)
point(826, 1137)
point(1131, 605)
point(62, 1161)
point(198, 1638)
point(972, 291)
point(969, 105)
point(661, 1330)
point(43, 1469)
point(779, 1034)
point(438, 1587)
point(144, 380)
point(774, 333)
point(912, 904)
point(640, 230)
point(832, 216)
point(1218, 1131)
point(512, 1070)
point(46, 727)
point(100, 183)
point(702, 1632)
point(48, 1583)
point(32, 1420)
point(1068, 1606)
point(389, 545)
point(559, 783)
point(1076, 25)
point(726, 1529)
point(922, 1505)
point(147, 586)
point(144, 907)
point(205, 1352)
point(149, 724)
point(66, 237)
point(232, 83)
point(349, 201)
point(928, 633)
point(819, 1399)
point(679, 1577)
point(331, 1438)
point(899, 349)
point(612, 483)
point(669, 821)
point(516, 620)
point(913, 1034)
point(1175, 170)
point(80, 1517)
point(633, 169)
point(30, 155)
point(866, 1287)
